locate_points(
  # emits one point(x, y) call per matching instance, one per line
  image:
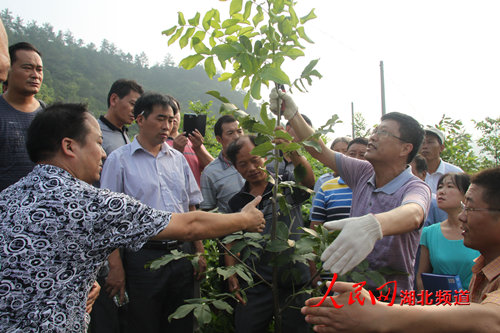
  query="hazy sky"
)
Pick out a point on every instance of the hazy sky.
point(440, 56)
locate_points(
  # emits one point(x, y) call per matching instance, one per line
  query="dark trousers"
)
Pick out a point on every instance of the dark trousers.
point(106, 317)
point(155, 294)
point(257, 314)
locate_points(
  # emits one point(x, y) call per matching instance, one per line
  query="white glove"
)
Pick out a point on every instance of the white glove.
point(290, 106)
point(355, 241)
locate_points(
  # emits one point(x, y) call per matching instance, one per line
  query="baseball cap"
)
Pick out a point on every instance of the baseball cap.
point(436, 132)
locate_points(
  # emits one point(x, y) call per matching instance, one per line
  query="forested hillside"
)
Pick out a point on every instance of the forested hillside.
point(79, 72)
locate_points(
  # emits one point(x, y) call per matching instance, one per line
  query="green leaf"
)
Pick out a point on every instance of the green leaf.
point(181, 19)
point(275, 75)
point(198, 37)
point(226, 272)
point(309, 67)
point(246, 100)
point(235, 6)
point(210, 67)
point(299, 173)
point(278, 7)
point(269, 122)
point(167, 258)
point(232, 238)
point(255, 89)
point(285, 27)
point(207, 18)
point(282, 134)
point(245, 83)
point(170, 31)
point(259, 17)
point(232, 29)
point(238, 246)
point(221, 305)
point(313, 144)
point(243, 274)
point(217, 95)
point(229, 23)
point(224, 51)
point(281, 231)
point(191, 61)
point(182, 311)
point(195, 20)
point(293, 16)
point(308, 17)
point(185, 39)
point(357, 277)
point(289, 146)
point(246, 63)
point(302, 34)
point(175, 36)
point(294, 53)
point(245, 41)
point(248, 9)
point(262, 149)
point(200, 48)
point(202, 314)
point(246, 31)
point(277, 245)
point(376, 277)
point(225, 76)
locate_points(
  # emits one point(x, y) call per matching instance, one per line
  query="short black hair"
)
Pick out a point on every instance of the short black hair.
point(459, 179)
point(410, 131)
point(225, 119)
point(122, 88)
point(51, 125)
point(489, 180)
point(176, 103)
point(234, 147)
point(359, 140)
point(21, 46)
point(144, 104)
point(420, 163)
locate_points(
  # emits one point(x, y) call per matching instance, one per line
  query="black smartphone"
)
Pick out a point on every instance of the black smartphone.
point(194, 121)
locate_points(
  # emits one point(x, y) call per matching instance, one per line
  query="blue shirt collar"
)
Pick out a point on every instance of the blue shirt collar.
point(394, 184)
point(135, 146)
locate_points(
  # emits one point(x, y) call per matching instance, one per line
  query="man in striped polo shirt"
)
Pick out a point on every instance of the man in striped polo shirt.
point(333, 200)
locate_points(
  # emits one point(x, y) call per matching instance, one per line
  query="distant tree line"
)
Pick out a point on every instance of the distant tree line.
point(79, 72)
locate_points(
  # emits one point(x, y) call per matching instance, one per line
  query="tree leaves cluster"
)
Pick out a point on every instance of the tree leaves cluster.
point(250, 45)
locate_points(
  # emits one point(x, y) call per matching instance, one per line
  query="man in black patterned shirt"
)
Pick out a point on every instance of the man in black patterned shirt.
point(56, 230)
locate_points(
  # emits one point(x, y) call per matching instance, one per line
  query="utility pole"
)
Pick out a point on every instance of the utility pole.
point(382, 86)
point(352, 117)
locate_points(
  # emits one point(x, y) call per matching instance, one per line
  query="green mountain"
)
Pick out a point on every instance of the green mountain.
point(78, 72)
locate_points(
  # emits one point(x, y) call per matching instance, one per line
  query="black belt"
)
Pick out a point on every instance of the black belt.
point(167, 245)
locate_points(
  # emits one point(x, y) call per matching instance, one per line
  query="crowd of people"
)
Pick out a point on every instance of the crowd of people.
point(84, 208)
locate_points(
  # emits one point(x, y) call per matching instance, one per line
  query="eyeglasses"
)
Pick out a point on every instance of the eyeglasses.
point(470, 209)
point(383, 133)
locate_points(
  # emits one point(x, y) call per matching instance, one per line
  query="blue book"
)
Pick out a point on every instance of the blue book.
point(435, 282)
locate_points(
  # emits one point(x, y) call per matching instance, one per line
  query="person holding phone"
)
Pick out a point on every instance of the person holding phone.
point(190, 144)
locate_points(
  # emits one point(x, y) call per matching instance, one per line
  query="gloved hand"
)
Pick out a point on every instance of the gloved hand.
point(355, 241)
point(290, 108)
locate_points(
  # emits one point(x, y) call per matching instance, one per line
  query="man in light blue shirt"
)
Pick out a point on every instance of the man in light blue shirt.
point(432, 147)
point(151, 171)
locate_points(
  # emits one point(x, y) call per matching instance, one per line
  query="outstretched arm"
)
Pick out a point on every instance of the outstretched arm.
point(383, 318)
point(201, 225)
